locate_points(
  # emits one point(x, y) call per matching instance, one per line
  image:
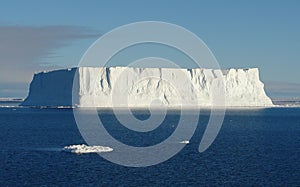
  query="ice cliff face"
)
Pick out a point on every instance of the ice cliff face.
point(139, 87)
point(51, 89)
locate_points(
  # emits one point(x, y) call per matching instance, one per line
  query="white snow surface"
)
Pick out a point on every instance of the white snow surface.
point(80, 149)
point(142, 87)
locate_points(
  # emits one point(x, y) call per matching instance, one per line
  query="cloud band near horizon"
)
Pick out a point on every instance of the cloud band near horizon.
point(27, 49)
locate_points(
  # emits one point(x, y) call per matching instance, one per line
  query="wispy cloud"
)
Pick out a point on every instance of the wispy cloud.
point(23, 49)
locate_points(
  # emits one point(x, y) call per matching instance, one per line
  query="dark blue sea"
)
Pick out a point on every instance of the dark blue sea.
point(257, 147)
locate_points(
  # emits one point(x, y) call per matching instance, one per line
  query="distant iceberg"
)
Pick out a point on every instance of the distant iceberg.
point(81, 149)
point(94, 87)
point(185, 142)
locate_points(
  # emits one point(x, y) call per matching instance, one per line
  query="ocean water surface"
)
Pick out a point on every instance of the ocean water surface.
point(254, 147)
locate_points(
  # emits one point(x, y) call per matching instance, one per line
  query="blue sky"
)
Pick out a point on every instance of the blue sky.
point(36, 35)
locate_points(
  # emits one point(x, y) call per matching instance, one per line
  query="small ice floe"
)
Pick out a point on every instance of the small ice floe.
point(80, 149)
point(64, 107)
point(185, 142)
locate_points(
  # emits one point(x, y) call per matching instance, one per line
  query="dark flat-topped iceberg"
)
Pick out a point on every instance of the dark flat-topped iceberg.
point(140, 87)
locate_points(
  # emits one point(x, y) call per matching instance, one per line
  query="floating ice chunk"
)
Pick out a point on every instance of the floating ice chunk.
point(80, 149)
point(185, 142)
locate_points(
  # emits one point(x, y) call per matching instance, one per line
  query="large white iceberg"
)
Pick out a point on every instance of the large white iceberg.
point(140, 87)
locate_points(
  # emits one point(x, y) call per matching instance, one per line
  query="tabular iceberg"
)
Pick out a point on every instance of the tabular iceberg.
point(140, 87)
